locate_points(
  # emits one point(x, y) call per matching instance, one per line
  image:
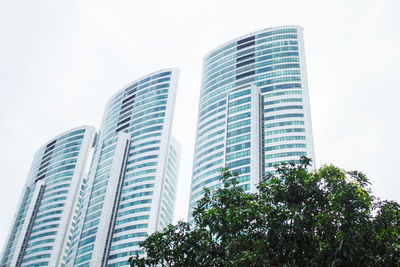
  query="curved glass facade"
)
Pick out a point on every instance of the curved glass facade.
point(254, 108)
point(45, 214)
point(133, 175)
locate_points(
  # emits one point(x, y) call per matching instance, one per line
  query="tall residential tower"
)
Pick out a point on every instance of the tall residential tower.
point(68, 217)
point(254, 109)
point(133, 175)
point(40, 230)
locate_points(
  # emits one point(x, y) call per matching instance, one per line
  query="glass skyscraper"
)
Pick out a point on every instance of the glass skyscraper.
point(133, 175)
point(254, 109)
point(46, 211)
point(254, 112)
point(68, 217)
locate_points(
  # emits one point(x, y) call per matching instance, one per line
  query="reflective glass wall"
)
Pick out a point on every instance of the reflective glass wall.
point(254, 109)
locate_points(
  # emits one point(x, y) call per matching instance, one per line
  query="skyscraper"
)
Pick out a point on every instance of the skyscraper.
point(133, 175)
point(254, 109)
point(45, 214)
point(67, 217)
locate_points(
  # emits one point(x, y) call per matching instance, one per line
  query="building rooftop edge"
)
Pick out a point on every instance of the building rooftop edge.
point(249, 34)
point(64, 133)
point(174, 70)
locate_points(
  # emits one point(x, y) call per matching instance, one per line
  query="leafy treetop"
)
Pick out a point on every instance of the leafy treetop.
point(326, 217)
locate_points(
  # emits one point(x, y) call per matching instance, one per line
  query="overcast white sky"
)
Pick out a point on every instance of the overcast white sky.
point(61, 60)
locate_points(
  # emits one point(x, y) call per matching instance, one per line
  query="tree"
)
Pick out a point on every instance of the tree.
point(298, 217)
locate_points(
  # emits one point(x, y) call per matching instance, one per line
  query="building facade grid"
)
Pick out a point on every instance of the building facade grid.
point(254, 109)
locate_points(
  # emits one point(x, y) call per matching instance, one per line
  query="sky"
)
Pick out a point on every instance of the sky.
point(60, 61)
